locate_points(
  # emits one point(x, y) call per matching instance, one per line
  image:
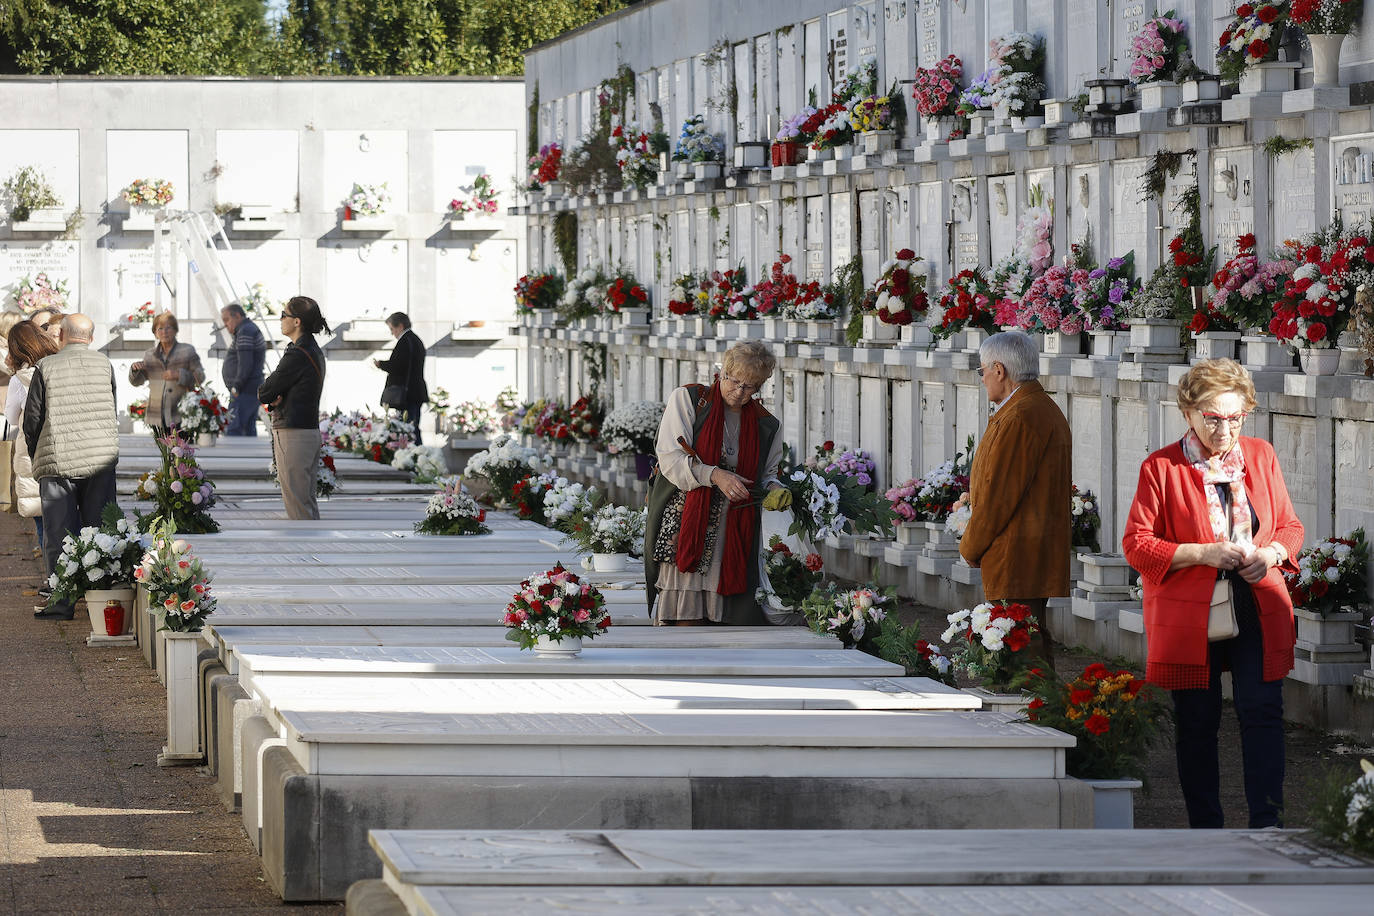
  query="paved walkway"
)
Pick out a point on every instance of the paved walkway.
point(88, 822)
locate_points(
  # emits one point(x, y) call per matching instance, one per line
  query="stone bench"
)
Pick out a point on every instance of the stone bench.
point(319, 780)
point(985, 871)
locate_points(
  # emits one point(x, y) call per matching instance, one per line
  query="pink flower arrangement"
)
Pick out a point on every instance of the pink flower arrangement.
point(1156, 47)
point(936, 89)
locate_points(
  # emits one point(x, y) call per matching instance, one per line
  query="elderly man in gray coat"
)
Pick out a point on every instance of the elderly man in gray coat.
point(72, 434)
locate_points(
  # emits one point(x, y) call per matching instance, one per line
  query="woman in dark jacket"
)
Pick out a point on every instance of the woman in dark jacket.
point(292, 395)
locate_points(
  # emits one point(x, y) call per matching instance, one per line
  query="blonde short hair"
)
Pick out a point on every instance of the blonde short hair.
point(1209, 379)
point(166, 318)
point(7, 321)
point(750, 362)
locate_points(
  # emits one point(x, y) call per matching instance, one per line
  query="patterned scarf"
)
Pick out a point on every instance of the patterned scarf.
point(1228, 469)
point(738, 530)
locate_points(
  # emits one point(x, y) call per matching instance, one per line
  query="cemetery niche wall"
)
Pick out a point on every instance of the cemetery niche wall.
point(1177, 176)
point(276, 161)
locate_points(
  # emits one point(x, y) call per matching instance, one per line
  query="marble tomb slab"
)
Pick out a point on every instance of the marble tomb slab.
point(417, 607)
point(871, 857)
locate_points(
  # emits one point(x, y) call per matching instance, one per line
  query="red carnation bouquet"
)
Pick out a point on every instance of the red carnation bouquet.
point(1326, 17)
point(936, 89)
point(1114, 715)
point(901, 290)
point(1244, 291)
point(791, 577)
point(545, 165)
point(537, 291)
point(731, 295)
point(991, 642)
point(689, 294)
point(555, 604)
point(1253, 37)
point(1332, 576)
point(782, 295)
point(968, 302)
point(1318, 299)
point(584, 419)
point(623, 292)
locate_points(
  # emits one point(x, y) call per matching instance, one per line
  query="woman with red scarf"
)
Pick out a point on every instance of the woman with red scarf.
point(1212, 515)
point(718, 453)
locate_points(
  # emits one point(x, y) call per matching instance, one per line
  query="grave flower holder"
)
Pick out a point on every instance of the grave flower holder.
point(939, 129)
point(1320, 360)
point(1326, 59)
point(786, 153)
point(1270, 76)
point(1202, 89)
point(879, 141)
point(1159, 95)
point(183, 704)
point(1108, 344)
point(1217, 344)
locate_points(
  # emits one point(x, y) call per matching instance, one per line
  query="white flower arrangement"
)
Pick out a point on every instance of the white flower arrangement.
point(368, 199)
point(425, 463)
point(958, 520)
point(822, 502)
point(696, 143)
point(202, 411)
point(616, 529)
point(583, 293)
point(505, 453)
point(259, 302)
point(102, 556)
point(565, 499)
point(633, 427)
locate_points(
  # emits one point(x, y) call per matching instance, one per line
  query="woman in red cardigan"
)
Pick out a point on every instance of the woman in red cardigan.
point(1212, 506)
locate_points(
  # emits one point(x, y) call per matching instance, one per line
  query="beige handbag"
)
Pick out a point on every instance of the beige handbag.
point(1221, 619)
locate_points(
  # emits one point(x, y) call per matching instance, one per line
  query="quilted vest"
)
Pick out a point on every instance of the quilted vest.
point(80, 434)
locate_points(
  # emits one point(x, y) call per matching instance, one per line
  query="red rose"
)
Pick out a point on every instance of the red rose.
point(1176, 243)
point(1097, 724)
point(1257, 49)
point(813, 562)
point(1246, 242)
point(1199, 322)
point(1095, 672)
point(1225, 38)
point(906, 254)
point(828, 445)
point(1268, 14)
point(1245, 9)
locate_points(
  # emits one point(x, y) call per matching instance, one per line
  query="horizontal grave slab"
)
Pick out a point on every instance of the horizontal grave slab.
point(244, 575)
point(871, 857)
point(595, 661)
point(823, 901)
point(432, 561)
point(442, 696)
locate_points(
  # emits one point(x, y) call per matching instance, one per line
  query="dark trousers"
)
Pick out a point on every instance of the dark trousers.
point(411, 415)
point(1259, 709)
point(70, 505)
point(243, 412)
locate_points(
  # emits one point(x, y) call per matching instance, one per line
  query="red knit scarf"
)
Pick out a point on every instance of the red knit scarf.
point(739, 521)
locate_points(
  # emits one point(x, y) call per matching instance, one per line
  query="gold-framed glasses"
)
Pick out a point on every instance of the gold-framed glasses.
point(1217, 421)
point(742, 386)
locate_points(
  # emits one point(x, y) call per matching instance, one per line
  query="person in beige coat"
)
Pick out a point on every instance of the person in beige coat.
point(26, 345)
point(1020, 485)
point(171, 369)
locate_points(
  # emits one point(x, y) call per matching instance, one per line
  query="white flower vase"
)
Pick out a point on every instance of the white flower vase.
point(1113, 803)
point(1271, 76)
point(183, 705)
point(939, 129)
point(879, 141)
point(912, 534)
point(1159, 95)
point(610, 562)
point(1320, 360)
point(875, 330)
point(567, 647)
point(97, 598)
point(1057, 343)
point(205, 440)
point(705, 171)
point(1326, 59)
point(1217, 344)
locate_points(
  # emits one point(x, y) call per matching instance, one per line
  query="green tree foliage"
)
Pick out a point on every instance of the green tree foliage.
point(191, 37)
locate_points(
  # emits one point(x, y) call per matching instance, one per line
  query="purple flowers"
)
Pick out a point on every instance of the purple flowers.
point(857, 465)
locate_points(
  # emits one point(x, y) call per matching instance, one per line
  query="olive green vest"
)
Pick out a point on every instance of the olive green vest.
point(741, 609)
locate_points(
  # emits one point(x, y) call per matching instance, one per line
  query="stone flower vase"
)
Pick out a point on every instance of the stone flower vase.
point(1326, 59)
point(610, 562)
point(567, 647)
point(1320, 360)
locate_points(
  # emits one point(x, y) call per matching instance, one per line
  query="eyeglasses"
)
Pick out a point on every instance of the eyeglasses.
point(747, 389)
point(982, 369)
point(286, 314)
point(1217, 421)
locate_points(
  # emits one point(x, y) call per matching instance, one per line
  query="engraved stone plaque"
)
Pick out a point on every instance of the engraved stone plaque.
point(1354, 470)
point(1233, 200)
point(1132, 220)
point(1294, 198)
point(1352, 177)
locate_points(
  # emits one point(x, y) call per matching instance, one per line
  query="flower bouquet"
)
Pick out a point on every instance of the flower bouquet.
point(565, 502)
point(966, 303)
point(933, 496)
point(553, 606)
point(40, 294)
point(827, 503)
point(1253, 37)
point(258, 303)
point(1332, 576)
point(936, 89)
point(623, 292)
point(609, 530)
point(584, 419)
point(138, 410)
point(696, 143)
point(1157, 48)
point(635, 156)
point(1114, 715)
point(958, 520)
point(1343, 813)
point(901, 294)
point(424, 463)
point(202, 412)
point(451, 511)
point(782, 295)
point(876, 112)
point(148, 192)
point(690, 294)
point(1087, 520)
point(834, 129)
point(1244, 291)
point(177, 582)
point(483, 199)
point(141, 315)
point(527, 496)
point(583, 294)
point(552, 422)
point(102, 556)
point(179, 489)
point(857, 465)
point(366, 200)
point(380, 438)
point(545, 165)
point(904, 646)
point(1319, 298)
point(732, 298)
point(791, 579)
point(633, 427)
point(847, 613)
point(537, 291)
point(1012, 77)
point(1326, 17)
point(991, 642)
point(473, 418)
point(504, 464)
point(1103, 297)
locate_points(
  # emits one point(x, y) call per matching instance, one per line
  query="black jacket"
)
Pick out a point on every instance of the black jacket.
point(298, 380)
point(244, 362)
point(407, 367)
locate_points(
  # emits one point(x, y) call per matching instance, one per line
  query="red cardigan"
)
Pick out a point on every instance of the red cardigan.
point(1170, 508)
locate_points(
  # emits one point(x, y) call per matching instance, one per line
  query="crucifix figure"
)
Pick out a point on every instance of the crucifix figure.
point(119, 279)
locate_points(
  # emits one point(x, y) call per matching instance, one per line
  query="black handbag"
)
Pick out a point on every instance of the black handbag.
point(394, 396)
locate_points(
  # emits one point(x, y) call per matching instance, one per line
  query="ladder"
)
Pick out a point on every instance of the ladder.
point(189, 235)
